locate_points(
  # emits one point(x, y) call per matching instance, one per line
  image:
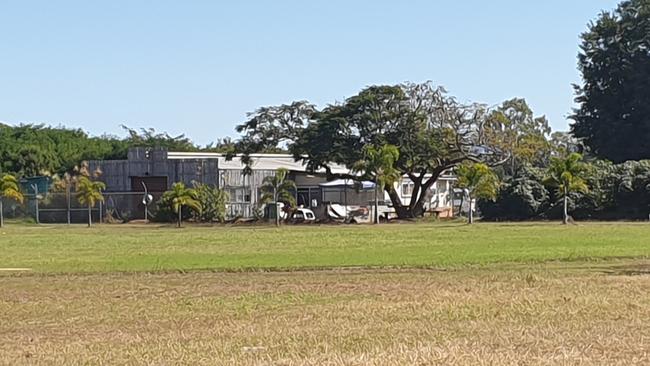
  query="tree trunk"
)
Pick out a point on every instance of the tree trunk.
point(470, 214)
point(90, 215)
point(565, 216)
point(2, 218)
point(415, 208)
point(418, 208)
point(180, 215)
point(401, 211)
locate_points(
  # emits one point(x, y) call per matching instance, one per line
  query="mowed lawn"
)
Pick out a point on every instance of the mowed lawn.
point(124, 248)
point(491, 294)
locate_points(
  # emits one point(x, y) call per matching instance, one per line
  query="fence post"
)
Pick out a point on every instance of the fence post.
point(35, 187)
point(67, 198)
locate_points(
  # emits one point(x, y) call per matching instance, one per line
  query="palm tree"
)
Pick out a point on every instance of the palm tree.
point(567, 176)
point(276, 188)
point(180, 196)
point(379, 164)
point(9, 189)
point(479, 181)
point(89, 192)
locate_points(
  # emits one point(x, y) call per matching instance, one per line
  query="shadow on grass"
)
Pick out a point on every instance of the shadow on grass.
point(637, 269)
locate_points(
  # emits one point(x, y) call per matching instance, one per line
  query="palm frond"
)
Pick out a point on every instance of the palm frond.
point(194, 205)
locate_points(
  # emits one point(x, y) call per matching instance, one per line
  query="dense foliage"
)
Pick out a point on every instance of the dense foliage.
point(567, 176)
point(172, 203)
point(613, 118)
point(516, 130)
point(201, 203)
point(30, 150)
point(521, 197)
point(213, 203)
point(616, 192)
point(479, 181)
point(8, 189)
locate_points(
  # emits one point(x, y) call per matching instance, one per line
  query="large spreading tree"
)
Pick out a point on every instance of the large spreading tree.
point(613, 118)
point(432, 131)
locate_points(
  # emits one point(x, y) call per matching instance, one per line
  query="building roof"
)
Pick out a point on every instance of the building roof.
point(259, 161)
point(271, 162)
point(348, 182)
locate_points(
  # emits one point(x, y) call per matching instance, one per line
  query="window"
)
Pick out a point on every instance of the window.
point(442, 186)
point(245, 180)
point(239, 195)
point(303, 197)
point(407, 189)
point(308, 197)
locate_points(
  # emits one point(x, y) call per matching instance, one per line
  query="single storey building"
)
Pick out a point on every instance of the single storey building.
point(155, 170)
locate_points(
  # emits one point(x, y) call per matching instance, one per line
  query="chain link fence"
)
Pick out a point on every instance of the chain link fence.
point(63, 207)
point(118, 207)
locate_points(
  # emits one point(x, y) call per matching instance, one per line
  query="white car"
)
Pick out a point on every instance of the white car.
point(303, 215)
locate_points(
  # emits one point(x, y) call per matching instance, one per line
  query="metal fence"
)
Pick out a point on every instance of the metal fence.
point(63, 207)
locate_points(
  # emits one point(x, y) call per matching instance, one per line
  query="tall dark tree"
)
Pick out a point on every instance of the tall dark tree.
point(613, 118)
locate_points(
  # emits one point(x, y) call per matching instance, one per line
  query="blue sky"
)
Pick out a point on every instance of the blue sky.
point(197, 67)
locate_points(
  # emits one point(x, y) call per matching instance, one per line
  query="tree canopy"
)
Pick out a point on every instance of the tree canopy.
point(9, 188)
point(180, 196)
point(30, 150)
point(613, 118)
point(479, 181)
point(517, 131)
point(432, 131)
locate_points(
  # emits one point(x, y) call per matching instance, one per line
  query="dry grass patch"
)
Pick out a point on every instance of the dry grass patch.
point(487, 316)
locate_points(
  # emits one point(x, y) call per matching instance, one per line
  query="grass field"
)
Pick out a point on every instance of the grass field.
point(515, 294)
point(63, 249)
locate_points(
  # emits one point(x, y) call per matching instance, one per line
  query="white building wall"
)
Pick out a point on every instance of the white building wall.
point(441, 192)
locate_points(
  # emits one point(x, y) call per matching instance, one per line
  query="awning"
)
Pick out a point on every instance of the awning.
point(350, 183)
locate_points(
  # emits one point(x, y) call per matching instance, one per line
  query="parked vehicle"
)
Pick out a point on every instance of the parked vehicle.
point(302, 215)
